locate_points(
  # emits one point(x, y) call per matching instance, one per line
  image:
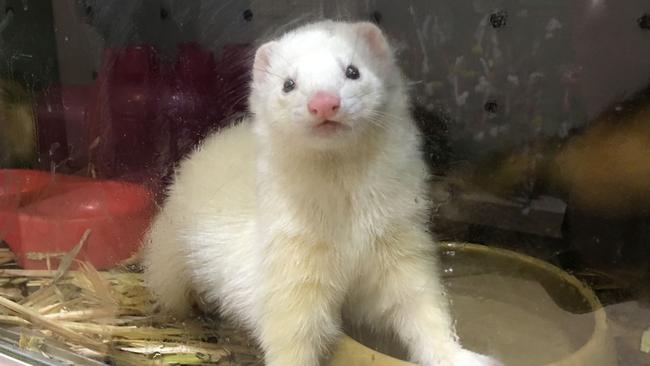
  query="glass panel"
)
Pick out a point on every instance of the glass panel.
point(127, 125)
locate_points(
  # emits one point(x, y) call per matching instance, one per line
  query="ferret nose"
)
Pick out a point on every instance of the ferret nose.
point(324, 104)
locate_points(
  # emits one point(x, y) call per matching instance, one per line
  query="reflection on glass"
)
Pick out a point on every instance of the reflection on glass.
point(534, 118)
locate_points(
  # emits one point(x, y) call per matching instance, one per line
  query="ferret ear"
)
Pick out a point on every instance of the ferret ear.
point(262, 61)
point(374, 37)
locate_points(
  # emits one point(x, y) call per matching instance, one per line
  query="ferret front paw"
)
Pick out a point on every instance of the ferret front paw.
point(469, 358)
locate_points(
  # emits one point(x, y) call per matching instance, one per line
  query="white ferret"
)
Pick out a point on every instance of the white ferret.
point(314, 207)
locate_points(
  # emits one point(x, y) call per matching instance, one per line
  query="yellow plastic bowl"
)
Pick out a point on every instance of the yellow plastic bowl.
point(522, 291)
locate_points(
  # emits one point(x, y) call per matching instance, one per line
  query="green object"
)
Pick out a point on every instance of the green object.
point(645, 341)
point(17, 135)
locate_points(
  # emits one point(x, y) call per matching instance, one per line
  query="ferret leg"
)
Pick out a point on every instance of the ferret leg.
point(300, 307)
point(409, 298)
point(165, 269)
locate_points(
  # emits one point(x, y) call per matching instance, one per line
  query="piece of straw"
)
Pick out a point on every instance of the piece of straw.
point(36, 318)
point(66, 261)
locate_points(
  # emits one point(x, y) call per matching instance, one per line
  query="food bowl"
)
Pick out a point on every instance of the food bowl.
point(19, 187)
point(46, 218)
point(521, 310)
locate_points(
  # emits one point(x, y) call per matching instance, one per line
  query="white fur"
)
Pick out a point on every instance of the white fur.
point(284, 229)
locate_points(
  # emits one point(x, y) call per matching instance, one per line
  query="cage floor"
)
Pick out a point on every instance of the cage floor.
point(109, 317)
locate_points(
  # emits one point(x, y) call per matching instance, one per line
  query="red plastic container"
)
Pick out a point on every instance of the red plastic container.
point(59, 210)
point(20, 187)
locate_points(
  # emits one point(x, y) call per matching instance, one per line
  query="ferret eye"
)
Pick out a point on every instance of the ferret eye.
point(351, 72)
point(289, 85)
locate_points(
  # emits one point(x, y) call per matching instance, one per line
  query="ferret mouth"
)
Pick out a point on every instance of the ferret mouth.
point(329, 127)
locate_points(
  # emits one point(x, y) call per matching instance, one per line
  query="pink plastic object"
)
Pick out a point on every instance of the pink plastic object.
point(126, 139)
point(188, 98)
point(60, 209)
point(17, 189)
point(201, 94)
point(61, 123)
point(143, 113)
point(20, 187)
point(133, 76)
point(51, 136)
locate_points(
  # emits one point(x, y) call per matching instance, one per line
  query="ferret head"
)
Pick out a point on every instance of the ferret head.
point(325, 84)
